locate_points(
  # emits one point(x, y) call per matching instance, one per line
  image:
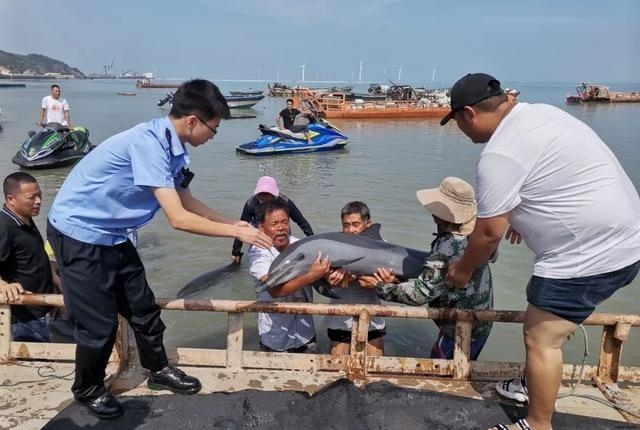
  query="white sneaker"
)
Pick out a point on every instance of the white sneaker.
point(514, 389)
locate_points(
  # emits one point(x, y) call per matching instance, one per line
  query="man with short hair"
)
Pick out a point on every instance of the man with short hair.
point(24, 264)
point(545, 177)
point(119, 186)
point(355, 217)
point(283, 332)
point(54, 109)
point(287, 116)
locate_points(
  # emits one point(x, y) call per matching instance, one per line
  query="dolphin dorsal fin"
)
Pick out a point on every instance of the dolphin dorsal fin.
point(372, 232)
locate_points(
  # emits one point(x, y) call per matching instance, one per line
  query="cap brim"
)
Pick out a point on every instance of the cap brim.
point(446, 119)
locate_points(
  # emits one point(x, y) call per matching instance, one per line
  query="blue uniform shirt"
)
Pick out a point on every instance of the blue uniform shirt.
point(111, 189)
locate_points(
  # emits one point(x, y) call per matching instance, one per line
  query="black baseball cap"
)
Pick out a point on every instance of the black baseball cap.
point(471, 89)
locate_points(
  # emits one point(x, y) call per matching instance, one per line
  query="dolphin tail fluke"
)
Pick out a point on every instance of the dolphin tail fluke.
point(206, 280)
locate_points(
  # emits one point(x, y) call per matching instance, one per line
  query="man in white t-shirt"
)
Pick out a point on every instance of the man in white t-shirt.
point(283, 332)
point(548, 179)
point(54, 109)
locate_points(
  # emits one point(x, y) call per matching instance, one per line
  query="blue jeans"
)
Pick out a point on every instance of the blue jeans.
point(36, 330)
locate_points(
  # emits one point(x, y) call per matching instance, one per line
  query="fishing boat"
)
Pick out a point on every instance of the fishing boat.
point(241, 102)
point(280, 90)
point(246, 93)
point(234, 102)
point(337, 106)
point(596, 93)
point(146, 83)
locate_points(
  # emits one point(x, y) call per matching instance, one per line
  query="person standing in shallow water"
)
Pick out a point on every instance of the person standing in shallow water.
point(453, 208)
point(121, 185)
point(546, 178)
point(267, 189)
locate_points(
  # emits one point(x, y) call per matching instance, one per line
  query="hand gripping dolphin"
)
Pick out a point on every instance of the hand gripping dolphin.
point(360, 254)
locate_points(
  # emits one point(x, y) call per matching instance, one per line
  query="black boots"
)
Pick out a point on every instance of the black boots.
point(105, 407)
point(173, 379)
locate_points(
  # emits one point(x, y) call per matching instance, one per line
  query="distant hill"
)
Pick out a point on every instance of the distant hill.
point(34, 64)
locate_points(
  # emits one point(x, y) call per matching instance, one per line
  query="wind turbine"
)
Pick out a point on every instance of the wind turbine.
point(433, 75)
point(400, 73)
point(360, 72)
point(302, 67)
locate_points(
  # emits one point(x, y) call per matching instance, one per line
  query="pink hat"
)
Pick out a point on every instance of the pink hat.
point(266, 184)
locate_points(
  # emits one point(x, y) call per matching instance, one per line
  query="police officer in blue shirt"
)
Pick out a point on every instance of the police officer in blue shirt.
point(117, 187)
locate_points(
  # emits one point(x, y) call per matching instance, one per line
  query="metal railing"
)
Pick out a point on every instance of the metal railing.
point(357, 366)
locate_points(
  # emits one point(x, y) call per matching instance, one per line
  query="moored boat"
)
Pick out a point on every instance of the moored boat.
point(234, 102)
point(337, 106)
point(246, 93)
point(240, 102)
point(280, 90)
point(596, 93)
point(146, 83)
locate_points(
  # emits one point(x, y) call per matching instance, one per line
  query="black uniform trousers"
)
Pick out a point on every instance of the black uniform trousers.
point(99, 282)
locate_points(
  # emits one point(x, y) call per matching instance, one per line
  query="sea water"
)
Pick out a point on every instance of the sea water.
point(383, 165)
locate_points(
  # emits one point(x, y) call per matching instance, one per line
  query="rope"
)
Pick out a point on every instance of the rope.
point(41, 373)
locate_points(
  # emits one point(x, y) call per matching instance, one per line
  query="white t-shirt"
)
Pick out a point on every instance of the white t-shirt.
point(54, 109)
point(566, 192)
point(280, 331)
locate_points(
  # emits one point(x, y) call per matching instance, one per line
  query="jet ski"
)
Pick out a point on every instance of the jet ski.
point(54, 145)
point(323, 136)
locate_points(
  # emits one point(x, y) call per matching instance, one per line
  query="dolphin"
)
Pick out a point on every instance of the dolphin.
point(360, 254)
point(207, 280)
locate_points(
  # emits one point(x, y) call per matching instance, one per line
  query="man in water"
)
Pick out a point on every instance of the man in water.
point(267, 189)
point(547, 178)
point(283, 332)
point(120, 185)
point(54, 109)
point(355, 217)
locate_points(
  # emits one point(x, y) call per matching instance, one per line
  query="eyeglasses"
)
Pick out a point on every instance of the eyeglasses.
point(213, 130)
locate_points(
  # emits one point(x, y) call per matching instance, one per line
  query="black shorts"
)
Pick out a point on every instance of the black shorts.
point(344, 336)
point(575, 299)
point(308, 348)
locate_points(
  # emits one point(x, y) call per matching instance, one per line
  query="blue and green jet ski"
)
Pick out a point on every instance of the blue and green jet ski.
point(320, 135)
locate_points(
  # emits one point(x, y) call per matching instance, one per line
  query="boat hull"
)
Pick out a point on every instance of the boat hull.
point(387, 112)
point(288, 147)
point(242, 102)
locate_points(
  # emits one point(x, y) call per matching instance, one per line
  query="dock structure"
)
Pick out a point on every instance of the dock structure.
point(262, 384)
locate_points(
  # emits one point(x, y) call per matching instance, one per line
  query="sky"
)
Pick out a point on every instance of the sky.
point(514, 40)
